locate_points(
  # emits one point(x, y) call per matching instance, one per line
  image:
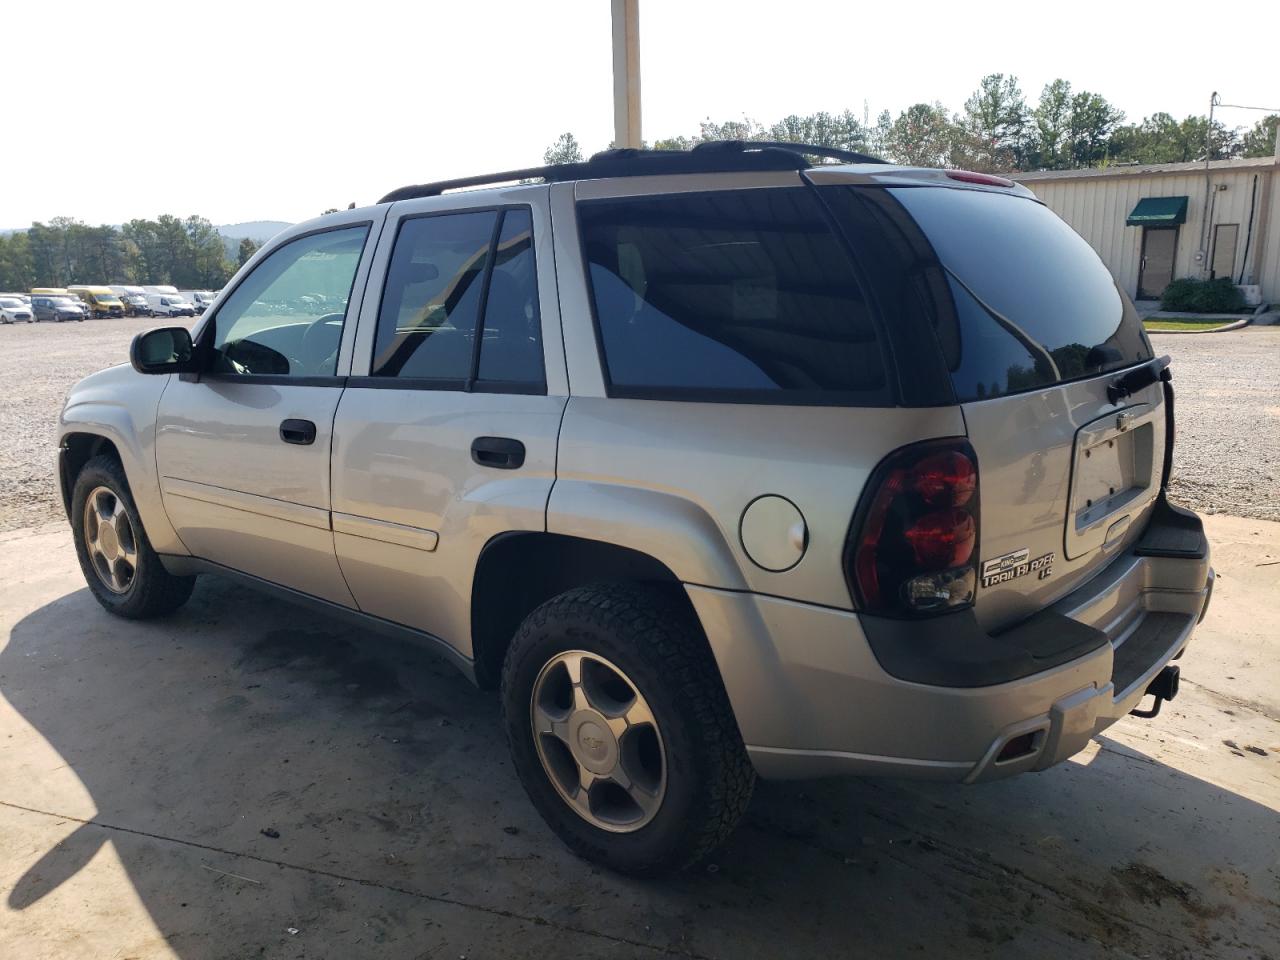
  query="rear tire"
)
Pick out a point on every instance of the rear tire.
point(121, 569)
point(634, 645)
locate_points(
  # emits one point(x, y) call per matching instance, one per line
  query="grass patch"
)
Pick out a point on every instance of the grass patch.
point(1185, 323)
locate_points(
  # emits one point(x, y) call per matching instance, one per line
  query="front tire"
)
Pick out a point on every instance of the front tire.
point(621, 731)
point(122, 571)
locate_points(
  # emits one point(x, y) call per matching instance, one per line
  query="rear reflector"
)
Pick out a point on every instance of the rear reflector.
point(986, 179)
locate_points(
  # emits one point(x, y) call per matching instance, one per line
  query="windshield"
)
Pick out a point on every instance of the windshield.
point(63, 302)
point(10, 302)
point(106, 298)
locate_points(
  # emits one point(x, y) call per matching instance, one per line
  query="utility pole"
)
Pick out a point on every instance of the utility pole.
point(1202, 254)
point(626, 73)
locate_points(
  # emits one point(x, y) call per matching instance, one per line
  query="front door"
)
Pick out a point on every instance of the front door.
point(1156, 270)
point(446, 433)
point(243, 449)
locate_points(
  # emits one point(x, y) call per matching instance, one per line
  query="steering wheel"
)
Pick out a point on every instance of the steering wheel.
point(320, 343)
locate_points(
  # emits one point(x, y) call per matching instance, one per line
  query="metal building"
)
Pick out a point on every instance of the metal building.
point(1148, 222)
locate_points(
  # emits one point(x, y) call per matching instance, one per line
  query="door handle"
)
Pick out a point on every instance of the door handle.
point(301, 432)
point(501, 453)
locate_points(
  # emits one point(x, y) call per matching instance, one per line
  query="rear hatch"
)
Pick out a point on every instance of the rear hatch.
point(1032, 329)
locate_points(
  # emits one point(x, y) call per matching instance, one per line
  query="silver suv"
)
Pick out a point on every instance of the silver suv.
point(718, 463)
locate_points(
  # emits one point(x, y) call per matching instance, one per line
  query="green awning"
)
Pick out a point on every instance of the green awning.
point(1158, 212)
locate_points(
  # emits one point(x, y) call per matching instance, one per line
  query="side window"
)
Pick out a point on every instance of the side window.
point(460, 303)
point(738, 295)
point(511, 350)
point(286, 318)
point(431, 301)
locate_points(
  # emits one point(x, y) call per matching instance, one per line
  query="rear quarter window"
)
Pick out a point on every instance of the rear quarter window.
point(1019, 301)
point(739, 295)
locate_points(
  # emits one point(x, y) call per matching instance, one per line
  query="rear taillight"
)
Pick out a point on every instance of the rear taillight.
point(913, 549)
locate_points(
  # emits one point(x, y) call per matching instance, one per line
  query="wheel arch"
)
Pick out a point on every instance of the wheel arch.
point(519, 571)
point(76, 449)
point(90, 427)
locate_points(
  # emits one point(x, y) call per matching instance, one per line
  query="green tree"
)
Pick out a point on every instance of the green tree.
point(207, 265)
point(1089, 129)
point(1261, 140)
point(564, 150)
point(1052, 118)
point(921, 136)
point(994, 130)
point(840, 130)
point(1161, 139)
point(246, 250)
point(744, 129)
point(17, 270)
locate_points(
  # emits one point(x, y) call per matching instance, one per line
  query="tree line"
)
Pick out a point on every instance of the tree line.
point(187, 253)
point(997, 131)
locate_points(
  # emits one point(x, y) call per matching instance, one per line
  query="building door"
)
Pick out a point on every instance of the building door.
point(1224, 249)
point(1156, 269)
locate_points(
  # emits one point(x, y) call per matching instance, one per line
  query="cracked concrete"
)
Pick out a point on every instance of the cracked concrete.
point(140, 763)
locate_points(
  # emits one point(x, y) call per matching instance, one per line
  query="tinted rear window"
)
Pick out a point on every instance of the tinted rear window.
point(1033, 303)
point(743, 295)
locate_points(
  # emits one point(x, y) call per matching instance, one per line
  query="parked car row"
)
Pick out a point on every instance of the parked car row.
point(79, 301)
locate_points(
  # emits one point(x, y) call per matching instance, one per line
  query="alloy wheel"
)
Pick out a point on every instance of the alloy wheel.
point(598, 741)
point(109, 539)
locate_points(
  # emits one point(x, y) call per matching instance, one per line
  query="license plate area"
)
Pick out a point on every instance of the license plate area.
point(1112, 477)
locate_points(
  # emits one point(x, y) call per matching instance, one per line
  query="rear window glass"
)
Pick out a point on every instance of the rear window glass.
point(1034, 305)
point(743, 295)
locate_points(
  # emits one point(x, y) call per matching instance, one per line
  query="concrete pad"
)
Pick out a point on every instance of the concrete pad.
point(141, 763)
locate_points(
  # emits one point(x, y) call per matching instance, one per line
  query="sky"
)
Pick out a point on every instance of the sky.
point(277, 110)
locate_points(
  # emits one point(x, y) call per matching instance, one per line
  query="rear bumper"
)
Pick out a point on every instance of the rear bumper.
point(812, 699)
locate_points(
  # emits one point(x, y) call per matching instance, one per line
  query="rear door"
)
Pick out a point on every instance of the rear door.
point(446, 433)
point(1038, 332)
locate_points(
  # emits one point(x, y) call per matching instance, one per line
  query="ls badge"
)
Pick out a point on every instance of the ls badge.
point(1017, 564)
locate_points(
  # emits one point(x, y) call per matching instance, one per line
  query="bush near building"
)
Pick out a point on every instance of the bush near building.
point(1202, 296)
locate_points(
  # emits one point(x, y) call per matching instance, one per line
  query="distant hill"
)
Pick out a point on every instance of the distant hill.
point(259, 231)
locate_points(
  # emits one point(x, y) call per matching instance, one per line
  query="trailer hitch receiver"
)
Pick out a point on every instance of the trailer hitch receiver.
point(1163, 686)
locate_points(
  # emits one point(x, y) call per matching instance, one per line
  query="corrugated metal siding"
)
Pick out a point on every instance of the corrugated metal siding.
point(1269, 255)
point(1097, 208)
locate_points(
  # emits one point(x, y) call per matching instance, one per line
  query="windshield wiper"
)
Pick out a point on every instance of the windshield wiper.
point(1136, 379)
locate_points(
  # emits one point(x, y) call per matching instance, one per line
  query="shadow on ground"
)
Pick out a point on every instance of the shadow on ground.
point(259, 769)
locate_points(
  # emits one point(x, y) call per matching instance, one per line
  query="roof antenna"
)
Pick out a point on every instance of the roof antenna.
point(351, 205)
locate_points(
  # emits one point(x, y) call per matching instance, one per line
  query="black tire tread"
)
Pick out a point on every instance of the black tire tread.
point(673, 644)
point(157, 592)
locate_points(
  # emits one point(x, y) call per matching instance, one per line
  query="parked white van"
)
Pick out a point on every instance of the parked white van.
point(170, 305)
point(202, 300)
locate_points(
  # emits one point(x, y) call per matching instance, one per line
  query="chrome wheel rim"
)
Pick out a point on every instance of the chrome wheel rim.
point(109, 540)
point(598, 741)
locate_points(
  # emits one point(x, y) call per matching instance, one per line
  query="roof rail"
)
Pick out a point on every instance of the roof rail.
point(804, 149)
point(713, 156)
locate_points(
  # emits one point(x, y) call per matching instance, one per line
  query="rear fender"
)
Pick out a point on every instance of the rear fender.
point(673, 530)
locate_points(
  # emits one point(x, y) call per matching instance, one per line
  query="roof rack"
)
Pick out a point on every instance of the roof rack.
point(804, 149)
point(713, 156)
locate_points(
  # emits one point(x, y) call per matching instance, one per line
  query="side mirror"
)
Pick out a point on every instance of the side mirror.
point(167, 350)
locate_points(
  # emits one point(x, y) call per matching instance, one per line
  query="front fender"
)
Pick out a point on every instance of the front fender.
point(119, 405)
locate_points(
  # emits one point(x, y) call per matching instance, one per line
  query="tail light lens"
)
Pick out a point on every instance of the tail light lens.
point(913, 549)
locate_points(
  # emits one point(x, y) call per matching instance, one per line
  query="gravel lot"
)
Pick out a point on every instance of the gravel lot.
point(1228, 453)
